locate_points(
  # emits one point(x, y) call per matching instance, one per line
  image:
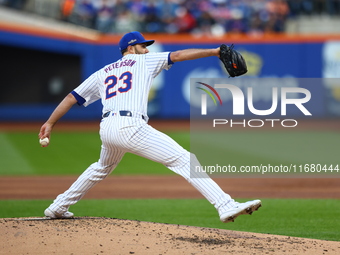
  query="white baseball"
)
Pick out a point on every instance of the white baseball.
point(44, 142)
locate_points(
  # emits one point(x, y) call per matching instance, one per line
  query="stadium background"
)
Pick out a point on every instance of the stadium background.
point(62, 54)
point(45, 55)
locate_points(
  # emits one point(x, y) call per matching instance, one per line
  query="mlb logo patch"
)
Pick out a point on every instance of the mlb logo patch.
point(132, 41)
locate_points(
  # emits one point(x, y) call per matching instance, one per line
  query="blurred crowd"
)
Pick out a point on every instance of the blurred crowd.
point(208, 17)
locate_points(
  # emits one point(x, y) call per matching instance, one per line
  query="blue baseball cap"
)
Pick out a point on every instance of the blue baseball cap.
point(133, 38)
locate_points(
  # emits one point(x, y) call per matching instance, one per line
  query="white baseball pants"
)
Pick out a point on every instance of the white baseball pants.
point(121, 134)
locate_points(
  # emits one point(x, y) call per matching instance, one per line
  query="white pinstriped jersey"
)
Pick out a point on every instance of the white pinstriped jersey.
point(124, 84)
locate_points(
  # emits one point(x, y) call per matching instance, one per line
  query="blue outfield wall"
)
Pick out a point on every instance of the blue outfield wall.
point(170, 95)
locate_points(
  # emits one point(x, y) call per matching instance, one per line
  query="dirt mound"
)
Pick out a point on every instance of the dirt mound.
point(84, 235)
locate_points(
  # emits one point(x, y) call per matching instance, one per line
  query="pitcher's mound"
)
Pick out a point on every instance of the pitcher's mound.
point(86, 235)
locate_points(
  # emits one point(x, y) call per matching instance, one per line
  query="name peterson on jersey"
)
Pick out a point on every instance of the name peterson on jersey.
point(126, 62)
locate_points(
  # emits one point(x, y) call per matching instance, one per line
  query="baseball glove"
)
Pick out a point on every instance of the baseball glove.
point(232, 60)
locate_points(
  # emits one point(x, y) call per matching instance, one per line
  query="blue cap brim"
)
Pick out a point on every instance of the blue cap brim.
point(148, 42)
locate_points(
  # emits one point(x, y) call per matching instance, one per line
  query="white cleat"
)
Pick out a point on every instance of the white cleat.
point(239, 209)
point(53, 215)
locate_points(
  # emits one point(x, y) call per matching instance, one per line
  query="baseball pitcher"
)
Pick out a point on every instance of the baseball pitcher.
point(123, 88)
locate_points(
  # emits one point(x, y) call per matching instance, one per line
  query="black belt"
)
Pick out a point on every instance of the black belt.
point(122, 113)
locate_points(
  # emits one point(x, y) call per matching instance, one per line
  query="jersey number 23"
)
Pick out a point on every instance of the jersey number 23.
point(112, 80)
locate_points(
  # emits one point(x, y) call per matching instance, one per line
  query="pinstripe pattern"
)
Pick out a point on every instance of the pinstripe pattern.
point(121, 134)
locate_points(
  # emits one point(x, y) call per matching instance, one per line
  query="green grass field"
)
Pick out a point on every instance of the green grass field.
point(298, 150)
point(71, 153)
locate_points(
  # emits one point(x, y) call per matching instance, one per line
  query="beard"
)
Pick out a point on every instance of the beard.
point(137, 51)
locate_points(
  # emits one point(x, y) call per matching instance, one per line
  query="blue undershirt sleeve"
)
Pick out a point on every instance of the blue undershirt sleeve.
point(169, 60)
point(80, 100)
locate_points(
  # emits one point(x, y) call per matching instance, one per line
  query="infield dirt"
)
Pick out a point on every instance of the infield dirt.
point(114, 236)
